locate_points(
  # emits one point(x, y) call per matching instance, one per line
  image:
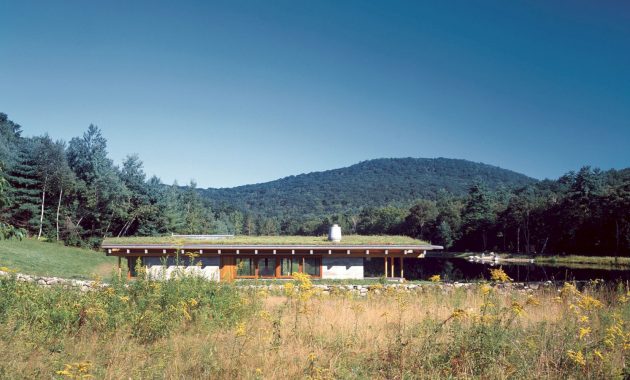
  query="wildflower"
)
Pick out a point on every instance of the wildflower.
point(289, 289)
point(264, 314)
point(124, 298)
point(568, 290)
point(583, 319)
point(435, 278)
point(588, 303)
point(577, 357)
point(599, 354)
point(312, 357)
point(458, 314)
point(499, 275)
point(193, 302)
point(531, 300)
point(239, 331)
point(259, 372)
point(486, 289)
point(517, 308)
point(584, 331)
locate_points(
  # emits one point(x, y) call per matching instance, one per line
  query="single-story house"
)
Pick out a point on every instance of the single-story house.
point(226, 257)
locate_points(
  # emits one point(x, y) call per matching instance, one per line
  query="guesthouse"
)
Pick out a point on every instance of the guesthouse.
point(226, 257)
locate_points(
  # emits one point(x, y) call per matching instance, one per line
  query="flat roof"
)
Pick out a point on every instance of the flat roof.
point(271, 242)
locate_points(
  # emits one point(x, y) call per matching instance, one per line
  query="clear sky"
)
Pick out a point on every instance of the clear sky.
point(234, 92)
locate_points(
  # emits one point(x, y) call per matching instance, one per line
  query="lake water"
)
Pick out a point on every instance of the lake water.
point(454, 269)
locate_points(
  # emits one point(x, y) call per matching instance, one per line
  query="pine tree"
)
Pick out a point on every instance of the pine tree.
point(24, 190)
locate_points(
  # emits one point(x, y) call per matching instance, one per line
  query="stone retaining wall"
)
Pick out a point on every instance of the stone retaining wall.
point(325, 289)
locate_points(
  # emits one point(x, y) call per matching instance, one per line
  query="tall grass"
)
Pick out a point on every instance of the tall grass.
point(190, 328)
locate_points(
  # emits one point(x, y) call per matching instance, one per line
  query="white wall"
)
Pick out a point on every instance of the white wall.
point(342, 268)
point(209, 269)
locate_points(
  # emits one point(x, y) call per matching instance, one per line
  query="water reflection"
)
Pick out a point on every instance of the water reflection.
point(456, 269)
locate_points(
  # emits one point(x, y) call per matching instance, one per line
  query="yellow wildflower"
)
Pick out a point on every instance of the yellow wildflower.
point(458, 313)
point(588, 303)
point(435, 278)
point(486, 289)
point(499, 275)
point(239, 331)
point(599, 354)
point(517, 308)
point(577, 357)
point(531, 300)
point(584, 331)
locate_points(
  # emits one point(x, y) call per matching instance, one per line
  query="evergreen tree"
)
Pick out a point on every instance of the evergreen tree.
point(24, 189)
point(478, 217)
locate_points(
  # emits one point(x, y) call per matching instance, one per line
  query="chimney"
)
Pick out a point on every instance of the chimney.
point(334, 234)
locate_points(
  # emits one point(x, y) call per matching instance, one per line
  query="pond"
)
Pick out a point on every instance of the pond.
point(457, 269)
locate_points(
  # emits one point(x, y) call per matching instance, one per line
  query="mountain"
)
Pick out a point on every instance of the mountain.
point(379, 182)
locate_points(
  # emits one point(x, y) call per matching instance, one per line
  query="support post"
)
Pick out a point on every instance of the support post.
point(385, 266)
point(393, 267)
point(402, 270)
point(119, 268)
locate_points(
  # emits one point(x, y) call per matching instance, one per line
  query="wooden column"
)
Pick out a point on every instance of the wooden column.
point(393, 267)
point(119, 268)
point(385, 266)
point(402, 268)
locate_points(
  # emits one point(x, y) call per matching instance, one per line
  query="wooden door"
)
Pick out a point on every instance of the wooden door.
point(228, 268)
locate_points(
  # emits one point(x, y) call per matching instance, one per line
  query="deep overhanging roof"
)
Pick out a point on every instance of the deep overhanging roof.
point(270, 243)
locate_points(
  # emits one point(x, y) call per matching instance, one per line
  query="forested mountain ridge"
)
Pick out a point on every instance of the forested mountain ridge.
point(378, 182)
point(73, 192)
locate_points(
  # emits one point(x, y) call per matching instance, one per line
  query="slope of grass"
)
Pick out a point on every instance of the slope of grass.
point(51, 259)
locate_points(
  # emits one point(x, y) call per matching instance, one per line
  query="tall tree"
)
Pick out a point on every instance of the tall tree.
point(478, 216)
point(24, 189)
point(420, 215)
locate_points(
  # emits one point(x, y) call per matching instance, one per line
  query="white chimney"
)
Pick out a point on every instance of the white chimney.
point(334, 234)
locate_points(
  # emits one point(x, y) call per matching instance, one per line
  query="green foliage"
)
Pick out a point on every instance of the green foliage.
point(455, 203)
point(375, 183)
point(143, 310)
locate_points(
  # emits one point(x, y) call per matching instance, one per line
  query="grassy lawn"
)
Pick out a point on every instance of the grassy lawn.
point(51, 259)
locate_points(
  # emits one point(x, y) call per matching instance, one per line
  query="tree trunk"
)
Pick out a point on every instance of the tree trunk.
point(41, 215)
point(58, 208)
point(542, 251)
point(526, 234)
point(617, 238)
point(518, 239)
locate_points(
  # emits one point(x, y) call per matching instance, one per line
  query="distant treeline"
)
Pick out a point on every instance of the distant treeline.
point(73, 192)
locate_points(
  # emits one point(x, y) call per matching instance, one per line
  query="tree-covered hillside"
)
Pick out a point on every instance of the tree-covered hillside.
point(73, 192)
point(380, 182)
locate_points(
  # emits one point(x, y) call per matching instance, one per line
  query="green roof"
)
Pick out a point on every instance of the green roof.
point(268, 240)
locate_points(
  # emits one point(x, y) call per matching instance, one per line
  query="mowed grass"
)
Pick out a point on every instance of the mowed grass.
point(34, 257)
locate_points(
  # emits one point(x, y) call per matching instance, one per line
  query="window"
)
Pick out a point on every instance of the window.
point(277, 266)
point(311, 266)
point(289, 265)
point(245, 267)
point(267, 267)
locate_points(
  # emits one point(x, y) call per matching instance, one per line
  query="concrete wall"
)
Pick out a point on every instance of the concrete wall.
point(209, 269)
point(342, 268)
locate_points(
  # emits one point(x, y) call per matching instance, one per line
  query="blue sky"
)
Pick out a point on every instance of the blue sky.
point(236, 92)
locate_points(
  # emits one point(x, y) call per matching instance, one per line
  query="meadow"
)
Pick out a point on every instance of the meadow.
point(31, 256)
point(190, 328)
